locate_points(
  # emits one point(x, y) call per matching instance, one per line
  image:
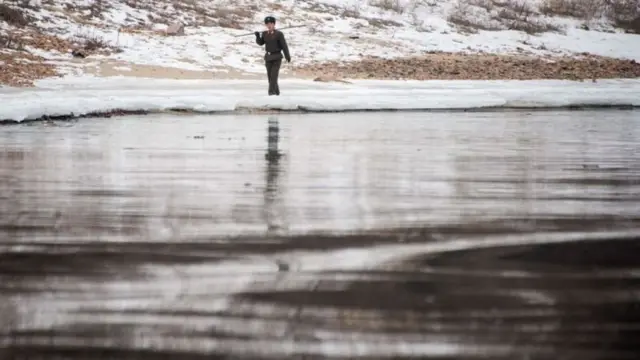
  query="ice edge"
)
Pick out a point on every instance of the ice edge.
point(91, 97)
point(303, 109)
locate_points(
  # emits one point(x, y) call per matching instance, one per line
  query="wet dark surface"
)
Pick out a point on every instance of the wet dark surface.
point(373, 236)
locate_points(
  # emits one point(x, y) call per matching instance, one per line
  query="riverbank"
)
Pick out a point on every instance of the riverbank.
point(74, 97)
point(23, 70)
point(422, 42)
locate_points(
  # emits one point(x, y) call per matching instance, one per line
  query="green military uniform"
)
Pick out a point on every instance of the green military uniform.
point(274, 45)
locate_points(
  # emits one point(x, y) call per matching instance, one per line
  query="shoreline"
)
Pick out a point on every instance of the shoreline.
point(86, 97)
point(123, 113)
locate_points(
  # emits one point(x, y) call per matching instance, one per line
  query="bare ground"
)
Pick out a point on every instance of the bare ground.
point(22, 68)
point(447, 66)
point(118, 68)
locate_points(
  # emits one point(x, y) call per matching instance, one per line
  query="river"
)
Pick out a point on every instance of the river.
point(464, 235)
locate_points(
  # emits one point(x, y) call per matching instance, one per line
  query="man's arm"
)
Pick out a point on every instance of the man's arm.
point(283, 45)
point(259, 38)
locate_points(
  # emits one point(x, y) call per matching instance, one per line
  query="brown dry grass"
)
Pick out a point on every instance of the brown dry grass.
point(444, 66)
point(624, 14)
point(94, 44)
point(228, 19)
point(276, 7)
point(97, 8)
point(389, 5)
point(382, 23)
point(522, 15)
point(13, 15)
point(20, 69)
point(632, 26)
point(46, 42)
point(232, 17)
point(137, 29)
point(580, 9)
point(517, 15)
point(463, 16)
point(352, 12)
point(466, 19)
point(233, 12)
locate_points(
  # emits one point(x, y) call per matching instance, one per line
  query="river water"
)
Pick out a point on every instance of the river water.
point(478, 235)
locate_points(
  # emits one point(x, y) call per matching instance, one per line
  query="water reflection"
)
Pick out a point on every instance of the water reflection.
point(459, 236)
point(273, 203)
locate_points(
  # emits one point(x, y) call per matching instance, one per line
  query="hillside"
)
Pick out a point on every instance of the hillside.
point(130, 37)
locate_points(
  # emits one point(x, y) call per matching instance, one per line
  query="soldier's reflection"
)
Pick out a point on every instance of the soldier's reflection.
point(273, 213)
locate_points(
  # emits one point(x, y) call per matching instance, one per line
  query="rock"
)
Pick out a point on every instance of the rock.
point(175, 29)
point(282, 266)
point(330, 79)
point(78, 53)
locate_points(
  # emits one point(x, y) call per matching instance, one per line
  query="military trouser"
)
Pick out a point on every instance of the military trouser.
point(273, 69)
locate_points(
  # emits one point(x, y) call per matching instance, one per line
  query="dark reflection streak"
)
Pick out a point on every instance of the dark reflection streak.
point(272, 216)
point(273, 170)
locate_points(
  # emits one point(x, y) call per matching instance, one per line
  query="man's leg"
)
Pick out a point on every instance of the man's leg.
point(268, 65)
point(275, 71)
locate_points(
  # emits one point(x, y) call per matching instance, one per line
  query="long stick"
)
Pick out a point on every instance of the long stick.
point(284, 28)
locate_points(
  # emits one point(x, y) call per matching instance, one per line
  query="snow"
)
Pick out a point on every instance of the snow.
point(326, 35)
point(85, 95)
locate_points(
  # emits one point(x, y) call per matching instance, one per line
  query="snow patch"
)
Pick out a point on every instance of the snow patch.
point(122, 68)
point(86, 95)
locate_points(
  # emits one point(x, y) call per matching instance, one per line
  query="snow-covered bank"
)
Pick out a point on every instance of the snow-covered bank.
point(132, 33)
point(86, 95)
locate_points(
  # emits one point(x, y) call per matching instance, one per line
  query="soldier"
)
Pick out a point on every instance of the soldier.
point(275, 45)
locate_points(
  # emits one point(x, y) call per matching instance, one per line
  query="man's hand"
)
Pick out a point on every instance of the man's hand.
point(289, 60)
point(257, 34)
